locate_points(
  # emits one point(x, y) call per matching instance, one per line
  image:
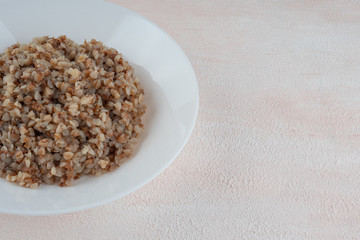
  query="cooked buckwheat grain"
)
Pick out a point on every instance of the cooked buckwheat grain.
point(65, 110)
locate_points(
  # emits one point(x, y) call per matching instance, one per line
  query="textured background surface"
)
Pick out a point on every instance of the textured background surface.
point(275, 153)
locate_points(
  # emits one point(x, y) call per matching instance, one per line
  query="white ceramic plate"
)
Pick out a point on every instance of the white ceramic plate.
point(169, 82)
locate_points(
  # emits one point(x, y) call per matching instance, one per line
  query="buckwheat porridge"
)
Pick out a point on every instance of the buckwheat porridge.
point(66, 110)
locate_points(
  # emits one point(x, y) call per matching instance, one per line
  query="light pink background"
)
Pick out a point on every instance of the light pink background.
point(275, 153)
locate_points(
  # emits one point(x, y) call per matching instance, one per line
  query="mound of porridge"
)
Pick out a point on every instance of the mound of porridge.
point(66, 110)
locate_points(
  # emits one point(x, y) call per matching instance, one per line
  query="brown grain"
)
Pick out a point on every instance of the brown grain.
point(65, 110)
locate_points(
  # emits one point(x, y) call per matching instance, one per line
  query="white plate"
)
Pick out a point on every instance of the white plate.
point(169, 82)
